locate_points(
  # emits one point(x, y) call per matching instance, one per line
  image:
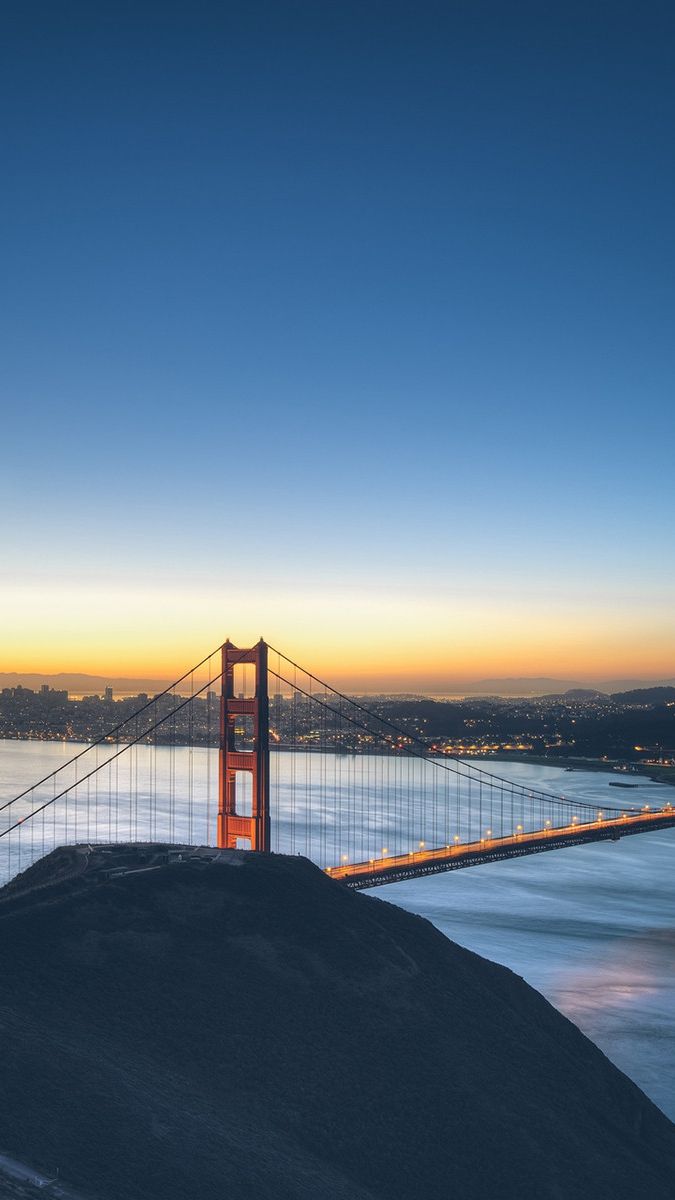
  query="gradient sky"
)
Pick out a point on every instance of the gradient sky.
point(348, 324)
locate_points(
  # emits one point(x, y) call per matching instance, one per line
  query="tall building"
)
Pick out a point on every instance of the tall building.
point(108, 694)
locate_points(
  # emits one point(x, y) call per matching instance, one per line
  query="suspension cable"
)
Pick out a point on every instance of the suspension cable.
point(111, 732)
point(425, 754)
point(127, 746)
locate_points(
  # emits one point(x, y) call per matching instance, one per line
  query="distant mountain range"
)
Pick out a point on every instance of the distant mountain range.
point(541, 685)
point(517, 685)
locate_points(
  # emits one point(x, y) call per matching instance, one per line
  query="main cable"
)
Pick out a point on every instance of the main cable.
point(427, 756)
point(108, 761)
point(111, 732)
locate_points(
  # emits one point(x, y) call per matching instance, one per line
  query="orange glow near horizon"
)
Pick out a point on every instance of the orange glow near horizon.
point(342, 663)
point(353, 639)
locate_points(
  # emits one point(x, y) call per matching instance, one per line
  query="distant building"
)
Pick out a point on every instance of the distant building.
point(108, 694)
point(53, 695)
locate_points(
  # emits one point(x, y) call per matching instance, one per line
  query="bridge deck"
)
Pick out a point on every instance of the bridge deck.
point(395, 868)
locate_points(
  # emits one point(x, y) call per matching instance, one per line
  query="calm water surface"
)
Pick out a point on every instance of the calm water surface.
point(592, 927)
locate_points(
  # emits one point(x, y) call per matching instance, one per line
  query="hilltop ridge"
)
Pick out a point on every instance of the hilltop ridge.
point(239, 1025)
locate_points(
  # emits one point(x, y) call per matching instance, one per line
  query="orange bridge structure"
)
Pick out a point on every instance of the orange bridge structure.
point(250, 750)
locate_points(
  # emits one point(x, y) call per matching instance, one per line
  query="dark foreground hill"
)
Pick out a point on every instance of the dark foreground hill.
point(251, 1029)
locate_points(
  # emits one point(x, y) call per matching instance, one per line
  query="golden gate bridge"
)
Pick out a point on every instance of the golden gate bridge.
point(250, 750)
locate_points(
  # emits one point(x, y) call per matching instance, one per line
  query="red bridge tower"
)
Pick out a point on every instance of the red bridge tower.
point(232, 761)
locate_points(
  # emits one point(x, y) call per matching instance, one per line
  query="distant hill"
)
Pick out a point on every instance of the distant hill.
point(253, 1030)
point(583, 694)
point(537, 685)
point(614, 686)
point(648, 695)
point(542, 685)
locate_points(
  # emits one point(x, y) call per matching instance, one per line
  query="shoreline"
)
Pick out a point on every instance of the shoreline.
point(655, 774)
point(665, 775)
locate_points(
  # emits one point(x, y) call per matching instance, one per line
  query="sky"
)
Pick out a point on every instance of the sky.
point(349, 325)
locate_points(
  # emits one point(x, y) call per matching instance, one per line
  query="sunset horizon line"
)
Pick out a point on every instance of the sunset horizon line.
point(373, 680)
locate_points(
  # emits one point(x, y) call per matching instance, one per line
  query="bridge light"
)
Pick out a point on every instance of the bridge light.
point(421, 845)
point(384, 851)
point(345, 857)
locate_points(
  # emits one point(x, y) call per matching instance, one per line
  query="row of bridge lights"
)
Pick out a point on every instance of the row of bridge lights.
point(517, 833)
point(488, 834)
point(385, 849)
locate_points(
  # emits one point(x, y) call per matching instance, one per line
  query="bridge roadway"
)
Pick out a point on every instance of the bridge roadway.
point(397, 867)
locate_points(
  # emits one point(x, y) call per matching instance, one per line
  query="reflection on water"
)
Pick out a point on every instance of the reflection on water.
point(592, 927)
point(626, 1003)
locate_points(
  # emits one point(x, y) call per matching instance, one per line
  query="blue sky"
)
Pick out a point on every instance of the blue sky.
point(339, 320)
